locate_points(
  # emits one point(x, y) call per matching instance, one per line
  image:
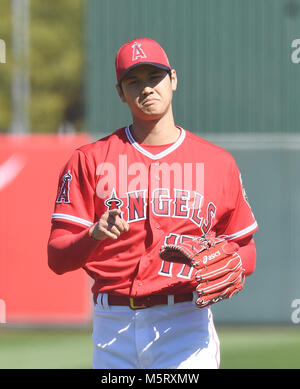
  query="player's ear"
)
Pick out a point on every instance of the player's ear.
point(173, 76)
point(120, 93)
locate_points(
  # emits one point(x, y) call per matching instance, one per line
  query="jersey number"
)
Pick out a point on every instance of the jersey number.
point(167, 267)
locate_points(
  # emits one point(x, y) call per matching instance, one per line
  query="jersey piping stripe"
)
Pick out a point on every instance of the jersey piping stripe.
point(169, 150)
point(240, 233)
point(72, 218)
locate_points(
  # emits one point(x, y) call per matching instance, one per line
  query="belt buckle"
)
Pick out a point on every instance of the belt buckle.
point(133, 306)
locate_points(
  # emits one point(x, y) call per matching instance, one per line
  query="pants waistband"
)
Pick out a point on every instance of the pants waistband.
point(142, 301)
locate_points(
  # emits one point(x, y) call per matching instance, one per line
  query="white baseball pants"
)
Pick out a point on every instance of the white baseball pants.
point(174, 336)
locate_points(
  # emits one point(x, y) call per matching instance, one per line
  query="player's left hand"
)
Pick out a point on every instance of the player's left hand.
point(219, 272)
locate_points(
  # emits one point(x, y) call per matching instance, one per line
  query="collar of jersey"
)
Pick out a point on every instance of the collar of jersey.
point(167, 151)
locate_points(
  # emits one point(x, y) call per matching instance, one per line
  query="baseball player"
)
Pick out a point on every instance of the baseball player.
point(125, 199)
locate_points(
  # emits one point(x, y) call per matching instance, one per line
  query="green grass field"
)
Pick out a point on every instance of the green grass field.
point(260, 347)
point(242, 347)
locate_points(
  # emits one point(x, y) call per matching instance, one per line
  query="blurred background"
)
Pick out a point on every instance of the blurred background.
point(238, 67)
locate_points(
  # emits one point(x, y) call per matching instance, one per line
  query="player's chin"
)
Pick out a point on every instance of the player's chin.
point(150, 115)
point(152, 112)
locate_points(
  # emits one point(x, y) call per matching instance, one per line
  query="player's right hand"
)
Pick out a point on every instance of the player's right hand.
point(110, 225)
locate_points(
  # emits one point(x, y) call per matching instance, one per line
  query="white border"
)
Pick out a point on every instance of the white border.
point(72, 219)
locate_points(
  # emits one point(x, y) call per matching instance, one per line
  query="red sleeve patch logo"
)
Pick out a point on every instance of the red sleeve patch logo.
point(64, 191)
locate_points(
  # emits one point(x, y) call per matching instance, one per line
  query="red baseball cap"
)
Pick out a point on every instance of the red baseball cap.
point(138, 52)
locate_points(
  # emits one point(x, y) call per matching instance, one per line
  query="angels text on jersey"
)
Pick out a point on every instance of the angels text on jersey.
point(173, 190)
point(162, 204)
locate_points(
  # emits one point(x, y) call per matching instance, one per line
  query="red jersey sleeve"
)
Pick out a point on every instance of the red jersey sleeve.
point(240, 221)
point(75, 195)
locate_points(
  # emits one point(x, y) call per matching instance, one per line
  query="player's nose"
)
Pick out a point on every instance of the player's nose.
point(146, 89)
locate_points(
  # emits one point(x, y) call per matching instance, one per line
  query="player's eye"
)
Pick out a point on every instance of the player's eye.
point(132, 82)
point(155, 76)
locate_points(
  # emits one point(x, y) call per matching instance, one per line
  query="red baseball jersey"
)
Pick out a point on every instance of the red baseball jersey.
point(166, 193)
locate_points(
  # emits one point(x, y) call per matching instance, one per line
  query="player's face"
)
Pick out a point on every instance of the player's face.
point(148, 91)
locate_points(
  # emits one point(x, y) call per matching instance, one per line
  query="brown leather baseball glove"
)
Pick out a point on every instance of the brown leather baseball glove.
point(219, 272)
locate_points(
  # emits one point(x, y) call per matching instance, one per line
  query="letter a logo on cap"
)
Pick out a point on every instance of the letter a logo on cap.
point(137, 51)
